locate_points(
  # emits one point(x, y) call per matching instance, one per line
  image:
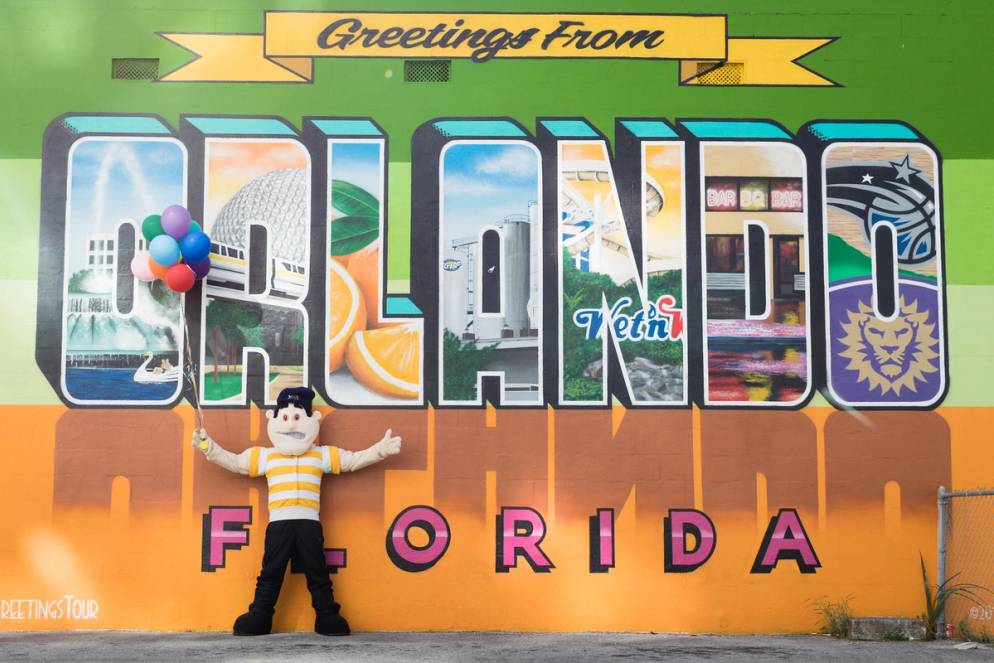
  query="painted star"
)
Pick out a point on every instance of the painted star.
point(867, 179)
point(904, 169)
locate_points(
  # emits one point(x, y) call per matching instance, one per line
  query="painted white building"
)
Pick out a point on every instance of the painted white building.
point(100, 251)
point(506, 258)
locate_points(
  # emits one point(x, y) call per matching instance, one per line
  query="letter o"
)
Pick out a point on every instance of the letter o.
point(413, 558)
point(597, 43)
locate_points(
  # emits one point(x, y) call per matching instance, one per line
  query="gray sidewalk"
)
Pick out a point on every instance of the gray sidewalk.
point(80, 646)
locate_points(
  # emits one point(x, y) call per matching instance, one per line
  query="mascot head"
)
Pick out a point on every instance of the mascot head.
point(293, 426)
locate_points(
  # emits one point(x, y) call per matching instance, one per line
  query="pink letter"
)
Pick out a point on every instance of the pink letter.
point(602, 541)
point(218, 537)
point(677, 558)
point(520, 530)
point(414, 558)
point(786, 539)
point(334, 559)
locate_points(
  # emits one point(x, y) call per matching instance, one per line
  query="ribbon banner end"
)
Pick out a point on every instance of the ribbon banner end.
point(238, 58)
point(766, 61)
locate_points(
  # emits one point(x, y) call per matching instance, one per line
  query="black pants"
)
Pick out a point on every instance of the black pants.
point(303, 541)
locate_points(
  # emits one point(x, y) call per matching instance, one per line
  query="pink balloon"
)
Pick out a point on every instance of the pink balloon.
point(140, 268)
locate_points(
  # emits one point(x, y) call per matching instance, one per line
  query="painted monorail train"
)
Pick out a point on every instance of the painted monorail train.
point(229, 272)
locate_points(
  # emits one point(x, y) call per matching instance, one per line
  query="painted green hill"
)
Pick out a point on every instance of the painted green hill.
point(849, 262)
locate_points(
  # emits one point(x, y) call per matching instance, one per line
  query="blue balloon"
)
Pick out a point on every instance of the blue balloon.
point(164, 250)
point(195, 246)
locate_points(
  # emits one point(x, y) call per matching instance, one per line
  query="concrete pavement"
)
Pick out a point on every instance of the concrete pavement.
point(84, 646)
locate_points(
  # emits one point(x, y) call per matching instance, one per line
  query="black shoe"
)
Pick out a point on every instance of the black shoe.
point(253, 623)
point(331, 623)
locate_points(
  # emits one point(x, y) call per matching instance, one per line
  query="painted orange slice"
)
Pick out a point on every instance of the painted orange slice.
point(346, 313)
point(387, 360)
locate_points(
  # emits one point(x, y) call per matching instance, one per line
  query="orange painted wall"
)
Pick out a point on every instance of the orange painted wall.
point(134, 546)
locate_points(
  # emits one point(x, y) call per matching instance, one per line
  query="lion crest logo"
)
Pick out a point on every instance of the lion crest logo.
point(890, 355)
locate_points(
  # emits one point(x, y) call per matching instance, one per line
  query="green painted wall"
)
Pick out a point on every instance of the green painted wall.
point(918, 61)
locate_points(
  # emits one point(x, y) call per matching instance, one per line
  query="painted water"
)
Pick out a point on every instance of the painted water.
point(114, 384)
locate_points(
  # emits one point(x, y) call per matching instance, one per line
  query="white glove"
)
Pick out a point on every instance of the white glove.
point(202, 441)
point(389, 445)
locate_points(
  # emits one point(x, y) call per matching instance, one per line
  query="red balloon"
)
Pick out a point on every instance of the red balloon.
point(180, 278)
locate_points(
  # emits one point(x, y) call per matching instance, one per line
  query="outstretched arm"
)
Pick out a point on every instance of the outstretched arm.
point(351, 461)
point(215, 453)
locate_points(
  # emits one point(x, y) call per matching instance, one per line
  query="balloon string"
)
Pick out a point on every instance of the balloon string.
point(193, 376)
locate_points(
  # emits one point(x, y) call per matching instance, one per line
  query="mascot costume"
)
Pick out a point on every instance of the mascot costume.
point(293, 467)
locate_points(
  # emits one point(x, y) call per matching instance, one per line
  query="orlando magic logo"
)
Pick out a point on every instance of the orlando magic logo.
point(895, 193)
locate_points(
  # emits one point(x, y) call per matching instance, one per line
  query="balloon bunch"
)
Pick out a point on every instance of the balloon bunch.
point(178, 250)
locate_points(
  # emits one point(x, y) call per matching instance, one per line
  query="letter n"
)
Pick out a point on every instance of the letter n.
point(620, 235)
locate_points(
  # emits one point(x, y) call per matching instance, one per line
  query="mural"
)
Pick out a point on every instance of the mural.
point(514, 233)
point(620, 225)
point(708, 356)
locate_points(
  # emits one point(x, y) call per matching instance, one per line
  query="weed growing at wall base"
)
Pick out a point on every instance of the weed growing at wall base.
point(935, 603)
point(967, 633)
point(834, 615)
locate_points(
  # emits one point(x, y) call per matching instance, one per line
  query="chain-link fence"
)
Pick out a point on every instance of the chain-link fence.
point(966, 555)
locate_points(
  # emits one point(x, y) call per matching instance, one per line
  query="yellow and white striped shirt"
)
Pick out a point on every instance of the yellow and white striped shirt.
point(294, 481)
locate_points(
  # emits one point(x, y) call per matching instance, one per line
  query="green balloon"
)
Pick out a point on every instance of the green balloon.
point(152, 227)
point(195, 226)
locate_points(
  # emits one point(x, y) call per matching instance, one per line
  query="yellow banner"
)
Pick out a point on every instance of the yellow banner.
point(292, 39)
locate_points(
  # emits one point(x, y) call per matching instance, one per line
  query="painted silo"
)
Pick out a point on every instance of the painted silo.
point(516, 269)
point(534, 269)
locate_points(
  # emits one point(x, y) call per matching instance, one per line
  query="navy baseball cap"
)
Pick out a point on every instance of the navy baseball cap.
point(299, 396)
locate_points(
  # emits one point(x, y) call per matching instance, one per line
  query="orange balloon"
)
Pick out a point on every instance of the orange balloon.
point(157, 269)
